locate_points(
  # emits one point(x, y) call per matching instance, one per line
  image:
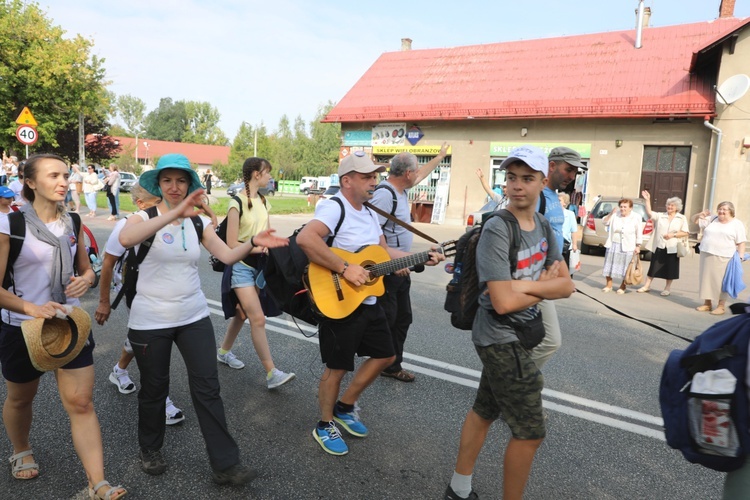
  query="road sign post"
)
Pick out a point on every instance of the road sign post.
point(26, 132)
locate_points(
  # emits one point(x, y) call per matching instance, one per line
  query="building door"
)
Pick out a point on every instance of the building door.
point(664, 173)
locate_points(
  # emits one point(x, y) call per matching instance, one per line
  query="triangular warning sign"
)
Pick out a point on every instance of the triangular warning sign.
point(26, 118)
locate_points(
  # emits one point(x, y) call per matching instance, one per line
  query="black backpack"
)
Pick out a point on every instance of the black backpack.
point(17, 234)
point(284, 275)
point(462, 297)
point(133, 260)
point(221, 232)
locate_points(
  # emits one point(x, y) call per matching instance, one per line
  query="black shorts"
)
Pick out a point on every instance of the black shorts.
point(15, 360)
point(365, 332)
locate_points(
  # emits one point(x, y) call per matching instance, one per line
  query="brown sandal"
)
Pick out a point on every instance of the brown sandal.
point(401, 375)
point(718, 311)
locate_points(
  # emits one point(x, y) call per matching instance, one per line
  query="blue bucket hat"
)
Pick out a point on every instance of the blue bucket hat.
point(6, 192)
point(150, 180)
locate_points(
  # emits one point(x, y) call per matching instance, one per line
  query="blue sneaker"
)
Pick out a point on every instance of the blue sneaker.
point(350, 422)
point(329, 438)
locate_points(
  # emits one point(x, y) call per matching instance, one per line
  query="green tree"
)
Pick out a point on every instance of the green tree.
point(325, 142)
point(202, 125)
point(132, 111)
point(57, 78)
point(242, 148)
point(167, 122)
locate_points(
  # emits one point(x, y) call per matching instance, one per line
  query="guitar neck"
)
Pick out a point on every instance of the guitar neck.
point(394, 265)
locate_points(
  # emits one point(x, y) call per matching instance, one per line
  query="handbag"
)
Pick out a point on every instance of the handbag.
point(634, 272)
point(575, 261)
point(683, 250)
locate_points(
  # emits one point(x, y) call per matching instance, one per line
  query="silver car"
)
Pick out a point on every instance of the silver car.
point(595, 232)
point(127, 181)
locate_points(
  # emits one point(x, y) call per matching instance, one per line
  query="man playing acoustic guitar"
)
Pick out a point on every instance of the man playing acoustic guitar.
point(365, 331)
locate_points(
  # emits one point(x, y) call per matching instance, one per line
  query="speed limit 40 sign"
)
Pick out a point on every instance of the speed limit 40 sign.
point(27, 135)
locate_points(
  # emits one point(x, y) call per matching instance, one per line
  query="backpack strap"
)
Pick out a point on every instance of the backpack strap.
point(542, 203)
point(135, 259)
point(329, 241)
point(17, 233)
point(198, 224)
point(514, 237)
point(395, 202)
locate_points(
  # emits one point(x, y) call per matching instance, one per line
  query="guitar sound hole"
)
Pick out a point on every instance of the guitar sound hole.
point(368, 265)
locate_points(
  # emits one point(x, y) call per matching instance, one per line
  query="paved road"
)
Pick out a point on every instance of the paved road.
point(604, 438)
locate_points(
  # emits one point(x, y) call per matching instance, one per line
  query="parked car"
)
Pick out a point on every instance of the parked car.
point(476, 218)
point(127, 181)
point(595, 233)
point(238, 187)
point(328, 193)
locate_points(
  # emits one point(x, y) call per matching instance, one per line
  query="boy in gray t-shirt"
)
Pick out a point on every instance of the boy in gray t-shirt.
point(511, 384)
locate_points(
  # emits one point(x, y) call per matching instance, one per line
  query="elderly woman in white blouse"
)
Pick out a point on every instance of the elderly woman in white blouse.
point(669, 228)
point(624, 235)
point(723, 235)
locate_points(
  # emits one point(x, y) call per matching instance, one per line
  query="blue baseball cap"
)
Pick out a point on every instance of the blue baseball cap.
point(150, 180)
point(6, 192)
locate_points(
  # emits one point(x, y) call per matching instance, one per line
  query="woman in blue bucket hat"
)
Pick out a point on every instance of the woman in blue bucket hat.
point(170, 308)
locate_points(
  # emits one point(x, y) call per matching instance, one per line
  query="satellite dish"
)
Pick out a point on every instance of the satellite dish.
point(733, 89)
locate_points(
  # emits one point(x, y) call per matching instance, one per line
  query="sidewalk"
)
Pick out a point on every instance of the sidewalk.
point(675, 313)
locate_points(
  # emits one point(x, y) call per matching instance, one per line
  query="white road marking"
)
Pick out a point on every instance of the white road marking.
point(288, 327)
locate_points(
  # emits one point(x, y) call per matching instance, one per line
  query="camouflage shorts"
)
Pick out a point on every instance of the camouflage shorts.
point(511, 387)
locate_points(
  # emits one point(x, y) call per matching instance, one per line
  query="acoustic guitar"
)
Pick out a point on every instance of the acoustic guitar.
point(335, 298)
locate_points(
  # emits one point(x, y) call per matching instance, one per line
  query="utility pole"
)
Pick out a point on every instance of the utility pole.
point(81, 143)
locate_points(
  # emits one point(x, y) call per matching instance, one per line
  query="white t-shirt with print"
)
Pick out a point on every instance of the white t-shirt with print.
point(169, 288)
point(359, 228)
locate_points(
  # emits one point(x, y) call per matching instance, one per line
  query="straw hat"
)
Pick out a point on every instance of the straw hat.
point(55, 342)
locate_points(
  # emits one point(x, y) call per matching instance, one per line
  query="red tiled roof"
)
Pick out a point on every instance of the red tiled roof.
point(201, 154)
point(597, 75)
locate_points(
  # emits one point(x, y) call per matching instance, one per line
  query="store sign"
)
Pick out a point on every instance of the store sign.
point(414, 135)
point(358, 138)
point(504, 148)
point(389, 134)
point(416, 150)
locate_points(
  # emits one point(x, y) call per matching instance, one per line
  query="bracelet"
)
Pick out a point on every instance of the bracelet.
point(252, 241)
point(346, 266)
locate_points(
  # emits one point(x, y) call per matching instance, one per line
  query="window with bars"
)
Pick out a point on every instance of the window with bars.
point(666, 159)
point(425, 190)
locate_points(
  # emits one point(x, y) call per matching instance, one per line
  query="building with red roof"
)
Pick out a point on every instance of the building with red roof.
point(642, 118)
point(147, 151)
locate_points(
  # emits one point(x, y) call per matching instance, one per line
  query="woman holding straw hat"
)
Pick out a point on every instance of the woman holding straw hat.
point(170, 308)
point(44, 275)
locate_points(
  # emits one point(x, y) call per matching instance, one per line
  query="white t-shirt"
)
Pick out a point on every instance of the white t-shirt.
point(169, 288)
point(360, 227)
point(17, 187)
point(722, 239)
point(33, 270)
point(113, 246)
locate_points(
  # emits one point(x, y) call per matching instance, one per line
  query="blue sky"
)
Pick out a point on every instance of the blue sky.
point(257, 60)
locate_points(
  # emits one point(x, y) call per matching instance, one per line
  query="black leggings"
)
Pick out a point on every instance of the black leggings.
point(112, 201)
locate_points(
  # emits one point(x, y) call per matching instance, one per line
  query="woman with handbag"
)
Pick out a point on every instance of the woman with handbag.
point(723, 235)
point(670, 231)
point(624, 236)
point(246, 274)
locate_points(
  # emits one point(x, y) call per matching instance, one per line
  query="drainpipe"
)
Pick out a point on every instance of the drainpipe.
point(639, 26)
point(716, 161)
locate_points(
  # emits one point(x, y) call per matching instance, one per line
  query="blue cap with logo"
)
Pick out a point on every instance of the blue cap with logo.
point(6, 192)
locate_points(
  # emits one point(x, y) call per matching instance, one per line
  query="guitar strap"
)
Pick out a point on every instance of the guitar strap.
point(401, 223)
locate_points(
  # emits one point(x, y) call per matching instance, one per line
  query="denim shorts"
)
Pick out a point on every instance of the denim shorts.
point(244, 276)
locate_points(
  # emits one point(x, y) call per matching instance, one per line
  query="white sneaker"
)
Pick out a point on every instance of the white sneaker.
point(122, 380)
point(174, 414)
point(230, 359)
point(278, 378)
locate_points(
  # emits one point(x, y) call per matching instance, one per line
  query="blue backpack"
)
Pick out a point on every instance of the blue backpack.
point(712, 430)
